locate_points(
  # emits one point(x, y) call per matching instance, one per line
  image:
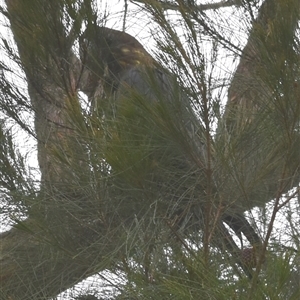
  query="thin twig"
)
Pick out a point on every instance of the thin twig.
point(288, 199)
point(169, 5)
point(125, 14)
point(267, 238)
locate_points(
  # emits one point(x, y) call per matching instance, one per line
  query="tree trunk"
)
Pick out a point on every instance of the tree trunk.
point(258, 137)
point(46, 254)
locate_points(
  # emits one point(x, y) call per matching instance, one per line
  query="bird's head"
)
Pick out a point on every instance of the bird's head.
point(108, 52)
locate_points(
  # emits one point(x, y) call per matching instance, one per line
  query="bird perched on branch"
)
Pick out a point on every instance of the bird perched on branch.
point(108, 54)
point(116, 65)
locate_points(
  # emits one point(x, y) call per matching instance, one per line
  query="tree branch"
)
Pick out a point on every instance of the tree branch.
point(171, 5)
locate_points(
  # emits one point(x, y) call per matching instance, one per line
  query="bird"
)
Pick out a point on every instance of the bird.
point(107, 54)
point(118, 66)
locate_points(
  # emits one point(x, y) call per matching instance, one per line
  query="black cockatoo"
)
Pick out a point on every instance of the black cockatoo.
point(117, 66)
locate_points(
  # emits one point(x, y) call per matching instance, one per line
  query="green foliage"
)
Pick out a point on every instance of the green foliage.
point(138, 184)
